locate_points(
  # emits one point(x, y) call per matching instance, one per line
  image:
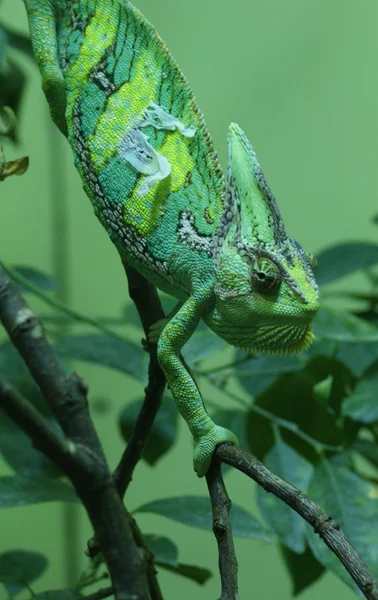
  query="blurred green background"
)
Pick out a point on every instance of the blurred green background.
point(301, 78)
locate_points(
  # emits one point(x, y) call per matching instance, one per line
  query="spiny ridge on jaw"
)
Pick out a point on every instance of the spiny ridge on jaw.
point(289, 349)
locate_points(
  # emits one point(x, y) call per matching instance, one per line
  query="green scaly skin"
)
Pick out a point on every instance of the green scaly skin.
point(149, 168)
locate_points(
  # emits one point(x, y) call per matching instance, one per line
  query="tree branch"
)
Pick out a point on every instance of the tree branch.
point(66, 396)
point(221, 506)
point(71, 458)
point(322, 523)
point(147, 302)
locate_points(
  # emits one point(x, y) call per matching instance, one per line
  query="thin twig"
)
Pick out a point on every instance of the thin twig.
point(147, 302)
point(67, 397)
point(322, 523)
point(65, 454)
point(221, 506)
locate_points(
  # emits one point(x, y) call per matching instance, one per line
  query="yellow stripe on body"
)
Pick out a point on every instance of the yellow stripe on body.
point(123, 110)
point(145, 212)
point(100, 33)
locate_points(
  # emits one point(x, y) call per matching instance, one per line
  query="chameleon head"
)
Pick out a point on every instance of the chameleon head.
point(266, 294)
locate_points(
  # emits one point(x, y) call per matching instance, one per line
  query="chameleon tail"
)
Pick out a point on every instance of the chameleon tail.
point(45, 46)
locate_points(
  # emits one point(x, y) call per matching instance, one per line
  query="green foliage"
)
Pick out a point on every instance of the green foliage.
point(59, 595)
point(21, 490)
point(12, 78)
point(311, 418)
point(303, 568)
point(195, 511)
point(166, 556)
point(20, 568)
point(343, 259)
point(163, 432)
point(288, 526)
point(353, 504)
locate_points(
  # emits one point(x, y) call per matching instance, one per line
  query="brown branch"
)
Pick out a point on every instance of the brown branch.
point(147, 302)
point(322, 523)
point(70, 458)
point(66, 396)
point(221, 506)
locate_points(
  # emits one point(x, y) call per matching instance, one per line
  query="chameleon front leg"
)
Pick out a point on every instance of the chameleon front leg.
point(206, 434)
point(43, 35)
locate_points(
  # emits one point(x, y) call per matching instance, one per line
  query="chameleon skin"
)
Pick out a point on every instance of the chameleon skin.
point(148, 165)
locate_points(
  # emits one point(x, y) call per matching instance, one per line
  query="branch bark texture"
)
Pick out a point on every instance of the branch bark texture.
point(148, 305)
point(221, 506)
point(322, 523)
point(66, 395)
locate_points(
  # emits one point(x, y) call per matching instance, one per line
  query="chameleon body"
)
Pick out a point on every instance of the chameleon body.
point(148, 165)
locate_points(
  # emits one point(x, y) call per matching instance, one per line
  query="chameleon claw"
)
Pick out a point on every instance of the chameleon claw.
point(204, 447)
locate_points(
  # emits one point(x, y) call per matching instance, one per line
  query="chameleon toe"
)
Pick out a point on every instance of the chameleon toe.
point(204, 447)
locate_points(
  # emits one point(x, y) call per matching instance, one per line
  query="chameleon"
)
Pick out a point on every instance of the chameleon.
point(215, 242)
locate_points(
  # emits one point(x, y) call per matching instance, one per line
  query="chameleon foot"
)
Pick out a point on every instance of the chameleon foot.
point(205, 446)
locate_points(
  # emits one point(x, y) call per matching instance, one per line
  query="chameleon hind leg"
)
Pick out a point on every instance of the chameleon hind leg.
point(206, 434)
point(43, 34)
point(157, 328)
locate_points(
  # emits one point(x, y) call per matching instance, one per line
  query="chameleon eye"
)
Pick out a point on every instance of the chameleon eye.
point(313, 261)
point(265, 276)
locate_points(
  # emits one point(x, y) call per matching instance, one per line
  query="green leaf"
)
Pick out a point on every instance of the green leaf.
point(18, 568)
point(362, 405)
point(118, 354)
point(59, 595)
point(367, 449)
point(38, 278)
point(291, 397)
point(3, 44)
point(166, 557)
point(201, 345)
point(236, 421)
point(12, 85)
point(288, 526)
point(15, 372)
point(343, 259)
point(163, 433)
point(195, 511)
point(303, 569)
point(164, 550)
point(17, 449)
point(18, 490)
point(257, 374)
point(19, 42)
point(357, 357)
point(341, 326)
point(353, 504)
point(197, 574)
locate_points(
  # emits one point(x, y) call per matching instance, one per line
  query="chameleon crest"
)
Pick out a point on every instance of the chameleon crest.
point(148, 165)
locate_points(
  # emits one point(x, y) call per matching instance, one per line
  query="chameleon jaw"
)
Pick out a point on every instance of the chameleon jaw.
point(288, 349)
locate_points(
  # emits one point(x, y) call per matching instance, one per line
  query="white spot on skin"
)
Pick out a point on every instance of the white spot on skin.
point(159, 118)
point(136, 149)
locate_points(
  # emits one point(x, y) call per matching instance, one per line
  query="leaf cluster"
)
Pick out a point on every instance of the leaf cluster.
point(312, 418)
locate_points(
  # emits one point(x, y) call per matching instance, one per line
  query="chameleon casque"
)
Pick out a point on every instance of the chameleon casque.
point(148, 165)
